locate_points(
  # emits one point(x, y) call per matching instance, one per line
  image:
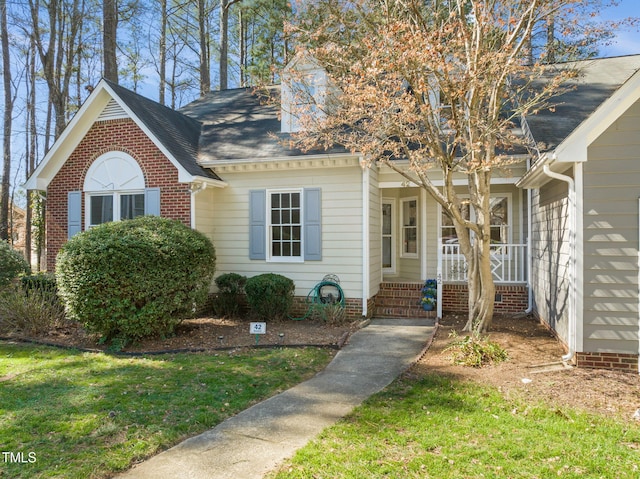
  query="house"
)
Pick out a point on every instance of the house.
point(584, 193)
point(221, 165)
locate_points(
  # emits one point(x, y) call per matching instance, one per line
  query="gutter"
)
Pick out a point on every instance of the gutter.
point(572, 211)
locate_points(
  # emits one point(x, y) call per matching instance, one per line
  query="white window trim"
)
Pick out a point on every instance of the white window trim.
point(402, 226)
point(283, 259)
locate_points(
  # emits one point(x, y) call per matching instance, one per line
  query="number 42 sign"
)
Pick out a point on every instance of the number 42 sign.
point(257, 329)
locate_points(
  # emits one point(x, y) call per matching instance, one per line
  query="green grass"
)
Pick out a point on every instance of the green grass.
point(84, 415)
point(436, 427)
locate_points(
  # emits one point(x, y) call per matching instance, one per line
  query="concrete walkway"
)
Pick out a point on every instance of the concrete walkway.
point(250, 444)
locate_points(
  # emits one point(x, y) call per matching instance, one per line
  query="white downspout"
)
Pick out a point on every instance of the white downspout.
point(572, 211)
point(529, 252)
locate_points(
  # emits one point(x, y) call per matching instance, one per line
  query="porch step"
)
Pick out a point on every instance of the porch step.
point(400, 300)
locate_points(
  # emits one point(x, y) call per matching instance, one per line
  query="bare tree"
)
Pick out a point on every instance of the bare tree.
point(433, 90)
point(7, 119)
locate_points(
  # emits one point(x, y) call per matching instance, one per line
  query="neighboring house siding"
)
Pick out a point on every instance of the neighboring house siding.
point(550, 255)
point(341, 195)
point(113, 135)
point(610, 215)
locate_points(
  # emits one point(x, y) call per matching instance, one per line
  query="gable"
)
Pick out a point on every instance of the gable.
point(174, 134)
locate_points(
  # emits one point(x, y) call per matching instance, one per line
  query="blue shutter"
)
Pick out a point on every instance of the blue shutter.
point(257, 224)
point(312, 224)
point(152, 201)
point(74, 213)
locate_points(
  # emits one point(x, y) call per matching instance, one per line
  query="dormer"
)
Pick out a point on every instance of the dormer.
point(303, 92)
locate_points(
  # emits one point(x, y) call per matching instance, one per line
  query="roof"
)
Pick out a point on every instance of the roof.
point(179, 133)
point(598, 80)
point(242, 124)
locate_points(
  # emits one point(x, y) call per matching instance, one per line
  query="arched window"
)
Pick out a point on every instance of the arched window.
point(114, 189)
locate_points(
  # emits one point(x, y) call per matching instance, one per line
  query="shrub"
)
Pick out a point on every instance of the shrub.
point(12, 264)
point(230, 291)
point(136, 278)
point(270, 296)
point(45, 283)
point(475, 351)
point(31, 312)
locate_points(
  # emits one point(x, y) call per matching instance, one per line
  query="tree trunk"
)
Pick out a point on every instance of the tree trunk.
point(109, 40)
point(205, 66)
point(8, 114)
point(224, 43)
point(163, 52)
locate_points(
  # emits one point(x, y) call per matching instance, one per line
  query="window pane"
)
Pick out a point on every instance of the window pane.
point(275, 249)
point(131, 206)
point(409, 213)
point(101, 210)
point(275, 200)
point(296, 249)
point(286, 249)
point(410, 240)
point(275, 232)
point(275, 217)
point(295, 200)
point(285, 200)
point(296, 232)
point(386, 219)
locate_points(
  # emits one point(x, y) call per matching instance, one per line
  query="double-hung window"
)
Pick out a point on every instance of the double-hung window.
point(285, 238)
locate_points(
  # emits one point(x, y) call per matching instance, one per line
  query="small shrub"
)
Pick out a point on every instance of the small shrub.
point(330, 313)
point(33, 312)
point(230, 291)
point(476, 351)
point(270, 296)
point(136, 278)
point(45, 283)
point(12, 264)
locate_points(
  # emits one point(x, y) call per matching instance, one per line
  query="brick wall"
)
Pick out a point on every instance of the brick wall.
point(509, 298)
point(113, 135)
point(617, 361)
point(353, 307)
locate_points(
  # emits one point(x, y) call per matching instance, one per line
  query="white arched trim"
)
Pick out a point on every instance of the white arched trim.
point(114, 190)
point(114, 171)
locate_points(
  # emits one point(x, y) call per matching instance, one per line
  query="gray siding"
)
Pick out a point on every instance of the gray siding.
point(550, 255)
point(610, 215)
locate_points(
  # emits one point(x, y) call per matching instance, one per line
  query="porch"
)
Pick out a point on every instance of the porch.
point(401, 297)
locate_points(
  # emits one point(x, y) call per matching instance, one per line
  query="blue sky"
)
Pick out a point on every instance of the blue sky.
point(627, 42)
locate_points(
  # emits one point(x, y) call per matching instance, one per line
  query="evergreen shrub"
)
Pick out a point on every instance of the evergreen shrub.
point(270, 296)
point(137, 278)
point(230, 291)
point(12, 264)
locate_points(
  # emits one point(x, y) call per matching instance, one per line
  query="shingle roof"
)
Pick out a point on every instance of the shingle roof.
point(179, 133)
point(241, 124)
point(600, 78)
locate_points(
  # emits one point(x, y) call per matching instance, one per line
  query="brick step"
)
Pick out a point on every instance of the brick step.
point(401, 300)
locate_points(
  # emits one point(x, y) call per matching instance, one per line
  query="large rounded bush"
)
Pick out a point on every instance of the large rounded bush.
point(270, 296)
point(135, 278)
point(12, 264)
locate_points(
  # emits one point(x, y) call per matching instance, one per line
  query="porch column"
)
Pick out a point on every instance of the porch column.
point(423, 234)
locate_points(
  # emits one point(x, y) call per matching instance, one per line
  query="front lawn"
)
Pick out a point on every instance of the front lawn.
point(80, 415)
point(439, 427)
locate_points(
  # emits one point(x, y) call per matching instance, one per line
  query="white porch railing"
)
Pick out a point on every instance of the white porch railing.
point(508, 263)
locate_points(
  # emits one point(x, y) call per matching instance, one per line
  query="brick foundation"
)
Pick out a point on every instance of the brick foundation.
point(617, 361)
point(353, 308)
point(510, 299)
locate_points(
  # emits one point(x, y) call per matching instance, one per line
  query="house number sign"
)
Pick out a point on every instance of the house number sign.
point(257, 329)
